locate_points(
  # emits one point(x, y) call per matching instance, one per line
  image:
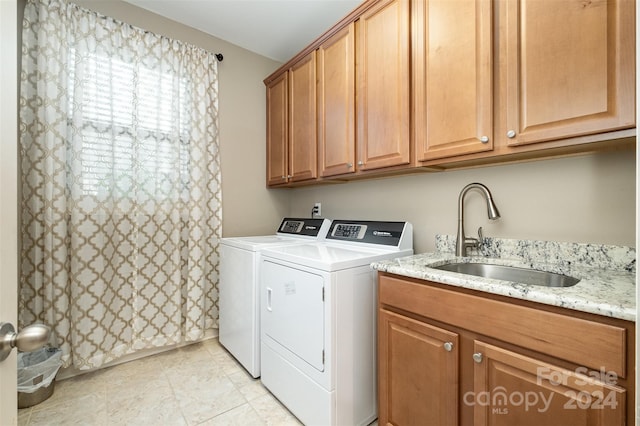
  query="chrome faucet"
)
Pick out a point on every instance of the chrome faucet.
point(462, 242)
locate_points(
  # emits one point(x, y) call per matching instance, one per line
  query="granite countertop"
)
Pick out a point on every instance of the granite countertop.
point(607, 282)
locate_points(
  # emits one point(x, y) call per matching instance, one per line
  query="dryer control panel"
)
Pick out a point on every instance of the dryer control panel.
point(301, 226)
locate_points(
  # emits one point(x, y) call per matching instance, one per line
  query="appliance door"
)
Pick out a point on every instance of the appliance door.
point(238, 321)
point(293, 313)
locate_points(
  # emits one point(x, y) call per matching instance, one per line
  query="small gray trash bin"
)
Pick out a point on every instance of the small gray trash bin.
point(36, 375)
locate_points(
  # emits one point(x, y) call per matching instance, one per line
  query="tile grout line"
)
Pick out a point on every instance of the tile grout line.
point(173, 391)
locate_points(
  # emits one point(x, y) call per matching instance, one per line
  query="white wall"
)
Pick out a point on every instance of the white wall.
point(248, 207)
point(588, 198)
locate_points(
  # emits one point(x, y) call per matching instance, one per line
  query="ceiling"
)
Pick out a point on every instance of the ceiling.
point(277, 29)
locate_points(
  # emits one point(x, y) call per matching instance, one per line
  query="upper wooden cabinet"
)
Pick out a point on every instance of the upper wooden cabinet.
point(452, 77)
point(277, 129)
point(568, 68)
point(403, 84)
point(303, 132)
point(336, 104)
point(291, 124)
point(383, 96)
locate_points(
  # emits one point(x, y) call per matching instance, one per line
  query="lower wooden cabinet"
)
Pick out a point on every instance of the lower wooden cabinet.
point(418, 372)
point(451, 357)
point(512, 389)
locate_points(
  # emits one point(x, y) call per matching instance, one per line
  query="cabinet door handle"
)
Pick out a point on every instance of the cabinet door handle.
point(360, 163)
point(511, 134)
point(484, 139)
point(349, 165)
point(477, 357)
point(448, 346)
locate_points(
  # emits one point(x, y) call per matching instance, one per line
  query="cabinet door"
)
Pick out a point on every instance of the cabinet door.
point(418, 372)
point(452, 77)
point(382, 72)
point(336, 103)
point(303, 160)
point(514, 389)
point(277, 128)
point(570, 68)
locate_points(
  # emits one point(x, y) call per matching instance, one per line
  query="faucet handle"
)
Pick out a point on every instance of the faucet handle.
point(482, 244)
point(471, 242)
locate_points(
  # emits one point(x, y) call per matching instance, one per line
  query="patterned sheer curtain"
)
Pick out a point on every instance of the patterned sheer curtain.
point(121, 206)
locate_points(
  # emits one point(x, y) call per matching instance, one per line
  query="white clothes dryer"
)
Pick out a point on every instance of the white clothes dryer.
point(238, 302)
point(318, 321)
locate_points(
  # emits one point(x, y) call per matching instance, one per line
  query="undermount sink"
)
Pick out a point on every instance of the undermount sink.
point(511, 273)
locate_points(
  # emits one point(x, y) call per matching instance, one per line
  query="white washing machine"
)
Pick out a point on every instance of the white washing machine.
point(318, 321)
point(238, 303)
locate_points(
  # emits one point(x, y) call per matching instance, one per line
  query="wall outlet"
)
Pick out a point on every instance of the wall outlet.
point(317, 209)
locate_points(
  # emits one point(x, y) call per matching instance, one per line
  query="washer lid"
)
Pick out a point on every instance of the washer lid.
point(290, 231)
point(261, 242)
point(331, 257)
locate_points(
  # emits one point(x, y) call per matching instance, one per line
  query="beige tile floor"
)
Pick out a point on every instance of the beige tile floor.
point(200, 384)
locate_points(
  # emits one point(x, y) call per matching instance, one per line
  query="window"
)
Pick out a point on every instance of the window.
point(134, 135)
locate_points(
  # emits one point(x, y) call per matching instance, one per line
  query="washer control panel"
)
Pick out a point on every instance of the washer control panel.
point(349, 231)
point(371, 232)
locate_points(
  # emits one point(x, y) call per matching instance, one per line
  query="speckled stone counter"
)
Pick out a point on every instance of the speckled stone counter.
point(607, 273)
